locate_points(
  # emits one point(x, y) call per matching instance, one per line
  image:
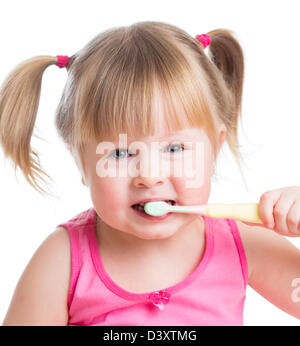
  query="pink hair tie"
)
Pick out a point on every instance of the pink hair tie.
point(62, 60)
point(204, 39)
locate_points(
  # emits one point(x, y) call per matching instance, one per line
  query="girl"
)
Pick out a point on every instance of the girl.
point(138, 98)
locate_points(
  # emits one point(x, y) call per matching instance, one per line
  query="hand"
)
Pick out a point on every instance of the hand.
point(280, 210)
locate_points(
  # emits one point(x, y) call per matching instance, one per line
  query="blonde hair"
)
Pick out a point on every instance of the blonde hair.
point(111, 89)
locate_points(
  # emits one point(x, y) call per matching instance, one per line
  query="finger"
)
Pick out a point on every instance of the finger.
point(280, 212)
point(266, 206)
point(293, 218)
point(252, 223)
point(259, 224)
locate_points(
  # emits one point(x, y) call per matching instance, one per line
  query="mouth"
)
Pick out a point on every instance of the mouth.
point(140, 206)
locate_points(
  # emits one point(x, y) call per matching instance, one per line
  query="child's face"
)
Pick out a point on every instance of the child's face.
point(129, 179)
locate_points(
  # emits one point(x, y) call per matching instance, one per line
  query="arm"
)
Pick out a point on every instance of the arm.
point(273, 265)
point(40, 297)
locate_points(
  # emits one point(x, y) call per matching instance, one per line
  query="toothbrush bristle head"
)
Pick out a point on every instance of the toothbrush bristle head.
point(156, 208)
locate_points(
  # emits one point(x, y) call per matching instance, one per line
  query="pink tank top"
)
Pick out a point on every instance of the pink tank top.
point(213, 294)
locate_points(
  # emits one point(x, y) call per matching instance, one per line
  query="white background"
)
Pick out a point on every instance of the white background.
point(268, 31)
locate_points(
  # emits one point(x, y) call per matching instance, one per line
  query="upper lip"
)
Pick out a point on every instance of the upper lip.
point(154, 199)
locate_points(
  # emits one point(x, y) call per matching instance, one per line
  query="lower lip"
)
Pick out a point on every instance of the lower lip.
point(149, 217)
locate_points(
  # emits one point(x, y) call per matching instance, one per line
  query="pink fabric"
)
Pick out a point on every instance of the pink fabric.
point(62, 61)
point(204, 39)
point(213, 294)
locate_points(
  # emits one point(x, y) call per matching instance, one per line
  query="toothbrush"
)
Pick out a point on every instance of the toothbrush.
point(248, 212)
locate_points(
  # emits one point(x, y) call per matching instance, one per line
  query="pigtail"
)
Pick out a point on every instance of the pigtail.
point(227, 55)
point(19, 100)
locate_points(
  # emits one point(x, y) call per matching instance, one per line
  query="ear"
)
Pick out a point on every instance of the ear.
point(69, 148)
point(83, 181)
point(222, 135)
point(221, 138)
point(77, 161)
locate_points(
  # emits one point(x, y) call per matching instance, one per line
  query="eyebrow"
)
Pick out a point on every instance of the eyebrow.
point(174, 136)
point(182, 135)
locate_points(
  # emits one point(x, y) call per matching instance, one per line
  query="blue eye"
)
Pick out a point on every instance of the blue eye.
point(176, 146)
point(120, 153)
point(123, 153)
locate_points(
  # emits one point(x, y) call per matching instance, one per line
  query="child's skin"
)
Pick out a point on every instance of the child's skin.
point(129, 241)
point(142, 256)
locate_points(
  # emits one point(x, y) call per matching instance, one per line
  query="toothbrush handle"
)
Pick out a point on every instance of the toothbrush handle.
point(248, 212)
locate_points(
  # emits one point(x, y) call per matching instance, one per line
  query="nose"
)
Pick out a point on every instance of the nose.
point(147, 182)
point(151, 172)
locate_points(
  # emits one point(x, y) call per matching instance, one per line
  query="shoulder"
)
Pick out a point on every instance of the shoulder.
point(55, 253)
point(55, 250)
point(60, 239)
point(274, 263)
point(261, 245)
point(40, 297)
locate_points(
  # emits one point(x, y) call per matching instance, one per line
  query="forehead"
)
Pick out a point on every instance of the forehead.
point(192, 133)
point(166, 127)
point(185, 135)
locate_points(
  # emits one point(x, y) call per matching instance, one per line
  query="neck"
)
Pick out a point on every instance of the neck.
point(183, 238)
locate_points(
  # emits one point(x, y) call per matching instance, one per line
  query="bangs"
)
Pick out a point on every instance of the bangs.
point(126, 94)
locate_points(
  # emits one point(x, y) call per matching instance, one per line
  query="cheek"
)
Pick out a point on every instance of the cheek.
point(108, 194)
point(110, 200)
point(194, 185)
point(193, 191)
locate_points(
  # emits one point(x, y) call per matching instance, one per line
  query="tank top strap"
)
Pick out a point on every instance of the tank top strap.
point(73, 227)
point(240, 249)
